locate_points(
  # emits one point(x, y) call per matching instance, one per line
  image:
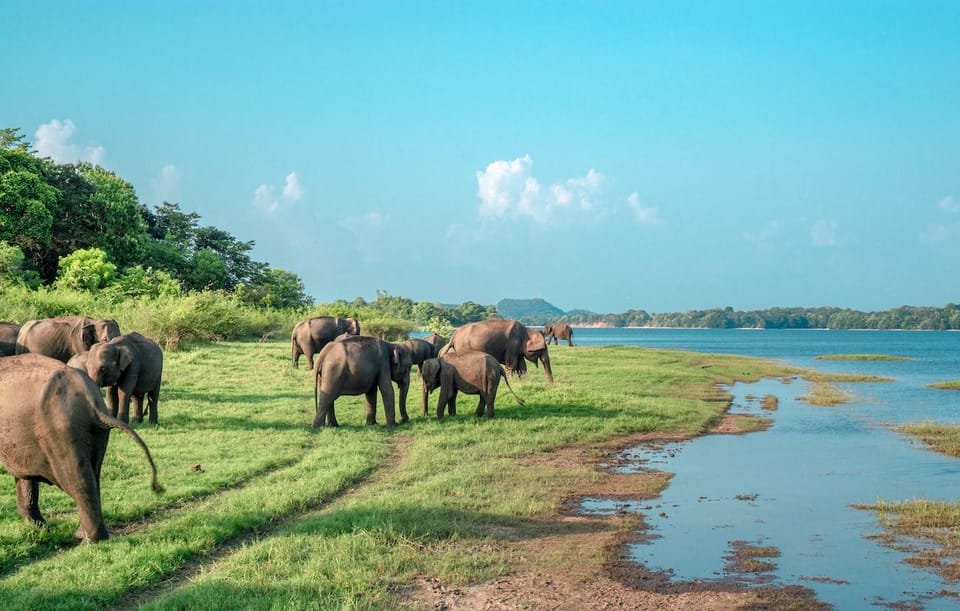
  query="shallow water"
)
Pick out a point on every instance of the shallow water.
point(791, 487)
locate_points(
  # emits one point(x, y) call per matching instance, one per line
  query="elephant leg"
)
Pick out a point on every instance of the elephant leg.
point(137, 401)
point(480, 405)
point(325, 415)
point(404, 388)
point(386, 391)
point(113, 400)
point(491, 398)
point(152, 397)
point(86, 493)
point(295, 353)
point(28, 502)
point(123, 413)
point(371, 397)
point(309, 354)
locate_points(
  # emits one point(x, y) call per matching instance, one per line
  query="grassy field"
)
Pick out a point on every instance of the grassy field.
point(261, 511)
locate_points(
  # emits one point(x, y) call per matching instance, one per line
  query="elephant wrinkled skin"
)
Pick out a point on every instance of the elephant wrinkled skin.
point(61, 338)
point(54, 428)
point(360, 366)
point(8, 338)
point(472, 373)
point(311, 335)
point(508, 341)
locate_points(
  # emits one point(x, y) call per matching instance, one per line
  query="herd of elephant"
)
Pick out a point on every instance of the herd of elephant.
point(55, 424)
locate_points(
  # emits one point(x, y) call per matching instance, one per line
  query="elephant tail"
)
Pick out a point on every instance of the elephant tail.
point(110, 422)
point(506, 380)
point(316, 386)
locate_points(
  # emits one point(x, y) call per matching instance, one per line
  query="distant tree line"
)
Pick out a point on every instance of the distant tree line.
point(905, 317)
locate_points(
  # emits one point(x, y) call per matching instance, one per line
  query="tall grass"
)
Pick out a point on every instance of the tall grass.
point(261, 511)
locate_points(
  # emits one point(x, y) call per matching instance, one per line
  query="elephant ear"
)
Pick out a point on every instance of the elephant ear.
point(535, 342)
point(124, 357)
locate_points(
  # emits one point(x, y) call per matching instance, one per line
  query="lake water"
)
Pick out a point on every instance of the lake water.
point(791, 487)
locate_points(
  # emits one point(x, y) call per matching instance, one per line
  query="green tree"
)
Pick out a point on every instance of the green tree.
point(276, 288)
point(27, 203)
point(86, 269)
point(120, 229)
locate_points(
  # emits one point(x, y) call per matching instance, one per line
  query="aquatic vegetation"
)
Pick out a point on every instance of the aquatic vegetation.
point(943, 438)
point(824, 394)
point(928, 530)
point(951, 385)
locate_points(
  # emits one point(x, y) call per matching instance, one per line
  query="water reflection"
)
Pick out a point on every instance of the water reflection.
point(790, 488)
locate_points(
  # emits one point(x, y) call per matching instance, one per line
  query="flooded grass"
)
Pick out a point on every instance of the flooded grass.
point(749, 558)
point(943, 438)
point(950, 385)
point(770, 403)
point(862, 357)
point(824, 394)
point(928, 530)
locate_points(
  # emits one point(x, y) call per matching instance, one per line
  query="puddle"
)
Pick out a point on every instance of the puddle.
point(784, 495)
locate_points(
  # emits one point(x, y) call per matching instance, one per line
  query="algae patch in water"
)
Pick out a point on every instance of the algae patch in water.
point(951, 385)
point(861, 357)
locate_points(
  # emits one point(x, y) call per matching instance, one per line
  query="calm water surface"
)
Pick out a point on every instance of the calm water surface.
point(791, 487)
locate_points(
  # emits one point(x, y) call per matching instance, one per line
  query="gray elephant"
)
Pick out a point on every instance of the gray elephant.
point(54, 428)
point(311, 335)
point(132, 366)
point(560, 330)
point(421, 350)
point(436, 341)
point(360, 366)
point(508, 341)
point(472, 373)
point(79, 361)
point(8, 338)
point(61, 338)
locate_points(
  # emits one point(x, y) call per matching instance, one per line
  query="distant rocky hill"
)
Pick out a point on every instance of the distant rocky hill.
point(529, 311)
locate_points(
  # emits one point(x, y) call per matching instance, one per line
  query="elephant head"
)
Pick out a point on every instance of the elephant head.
point(535, 350)
point(430, 377)
point(107, 361)
point(352, 326)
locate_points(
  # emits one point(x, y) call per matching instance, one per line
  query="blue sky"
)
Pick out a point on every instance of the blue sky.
point(601, 155)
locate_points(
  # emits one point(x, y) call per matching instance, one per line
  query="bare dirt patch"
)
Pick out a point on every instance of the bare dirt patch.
point(580, 562)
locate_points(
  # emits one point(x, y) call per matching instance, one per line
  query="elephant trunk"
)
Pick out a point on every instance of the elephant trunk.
point(545, 357)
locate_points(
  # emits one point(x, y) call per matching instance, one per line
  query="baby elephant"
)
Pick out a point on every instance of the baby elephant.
point(473, 373)
point(131, 365)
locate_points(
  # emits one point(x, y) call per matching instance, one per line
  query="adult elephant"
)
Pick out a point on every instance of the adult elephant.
point(311, 335)
point(61, 338)
point(436, 341)
point(360, 366)
point(472, 373)
point(54, 428)
point(8, 338)
point(131, 366)
point(508, 341)
point(558, 331)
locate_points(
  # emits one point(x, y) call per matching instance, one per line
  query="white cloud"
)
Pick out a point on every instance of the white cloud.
point(767, 233)
point(53, 140)
point(824, 233)
point(949, 204)
point(367, 230)
point(292, 189)
point(270, 199)
point(645, 215)
point(936, 233)
point(165, 182)
point(507, 188)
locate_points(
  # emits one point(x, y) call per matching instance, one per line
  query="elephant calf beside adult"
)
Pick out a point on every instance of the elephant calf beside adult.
point(421, 350)
point(132, 366)
point(360, 366)
point(54, 429)
point(61, 338)
point(508, 341)
point(472, 373)
point(311, 335)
